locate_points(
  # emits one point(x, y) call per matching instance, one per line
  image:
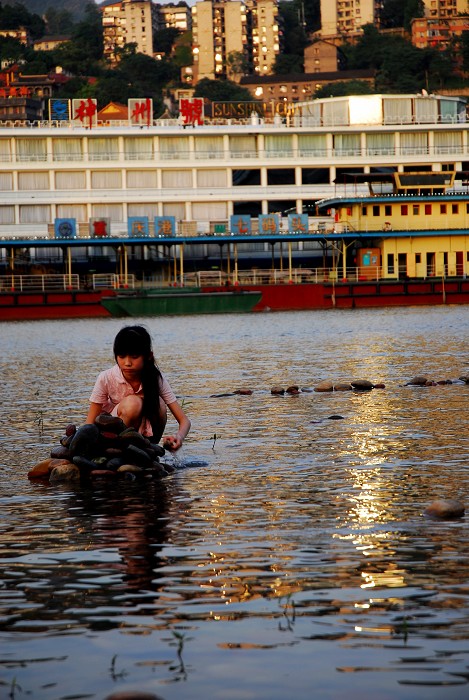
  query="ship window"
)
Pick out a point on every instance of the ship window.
point(454, 208)
point(404, 209)
point(442, 208)
point(428, 209)
point(416, 209)
point(387, 210)
point(365, 210)
point(418, 258)
point(376, 209)
point(390, 263)
point(467, 208)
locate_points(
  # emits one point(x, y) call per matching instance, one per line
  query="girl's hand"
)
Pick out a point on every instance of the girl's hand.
point(172, 442)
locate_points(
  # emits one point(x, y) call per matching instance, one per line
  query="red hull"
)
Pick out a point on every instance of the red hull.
point(349, 295)
point(21, 306)
point(17, 306)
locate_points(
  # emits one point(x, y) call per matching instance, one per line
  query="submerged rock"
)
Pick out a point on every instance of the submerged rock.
point(362, 385)
point(445, 509)
point(294, 389)
point(420, 380)
point(243, 392)
point(325, 385)
point(342, 386)
point(277, 391)
point(65, 472)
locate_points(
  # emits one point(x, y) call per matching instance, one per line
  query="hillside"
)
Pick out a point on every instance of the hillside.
point(75, 7)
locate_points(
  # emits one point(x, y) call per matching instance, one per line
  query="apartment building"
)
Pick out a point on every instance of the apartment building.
point(176, 16)
point(224, 27)
point(127, 22)
point(342, 17)
point(445, 8)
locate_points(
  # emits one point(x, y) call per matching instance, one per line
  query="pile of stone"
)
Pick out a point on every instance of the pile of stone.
point(104, 449)
point(354, 385)
point(424, 380)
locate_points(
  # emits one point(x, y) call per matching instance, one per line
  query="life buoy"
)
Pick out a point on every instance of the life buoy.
point(387, 226)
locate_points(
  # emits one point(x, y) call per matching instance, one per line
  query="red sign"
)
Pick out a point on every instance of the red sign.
point(85, 111)
point(141, 111)
point(192, 110)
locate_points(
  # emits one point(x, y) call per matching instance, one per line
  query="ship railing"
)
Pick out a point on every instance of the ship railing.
point(112, 281)
point(39, 283)
point(297, 275)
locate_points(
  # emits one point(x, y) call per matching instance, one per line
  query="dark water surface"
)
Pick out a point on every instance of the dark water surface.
point(288, 557)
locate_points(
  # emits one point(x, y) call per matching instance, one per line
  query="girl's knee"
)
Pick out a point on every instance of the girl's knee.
point(130, 410)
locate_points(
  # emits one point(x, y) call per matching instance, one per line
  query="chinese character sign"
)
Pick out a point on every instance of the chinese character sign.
point(85, 111)
point(100, 228)
point(192, 110)
point(165, 225)
point(59, 110)
point(140, 111)
point(298, 223)
point(240, 224)
point(138, 227)
point(65, 228)
point(268, 223)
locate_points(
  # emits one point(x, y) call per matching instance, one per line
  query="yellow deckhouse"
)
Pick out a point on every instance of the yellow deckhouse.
point(411, 224)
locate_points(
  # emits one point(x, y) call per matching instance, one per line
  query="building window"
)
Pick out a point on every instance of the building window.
point(418, 258)
point(428, 209)
point(415, 209)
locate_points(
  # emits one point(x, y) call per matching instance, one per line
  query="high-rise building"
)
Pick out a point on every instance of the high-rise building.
point(445, 8)
point(226, 31)
point(128, 22)
point(175, 16)
point(339, 17)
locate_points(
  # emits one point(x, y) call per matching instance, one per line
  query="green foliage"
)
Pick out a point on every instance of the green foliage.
point(399, 66)
point(16, 16)
point(58, 21)
point(399, 13)
point(345, 87)
point(288, 63)
point(221, 90)
point(164, 40)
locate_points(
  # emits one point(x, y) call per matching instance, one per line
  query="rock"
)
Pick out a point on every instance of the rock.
point(445, 510)
point(418, 381)
point(66, 440)
point(108, 423)
point(464, 378)
point(158, 449)
point(430, 383)
point(362, 385)
point(130, 468)
point(293, 389)
point(135, 455)
point(342, 386)
point(277, 391)
point(84, 464)
point(325, 385)
point(70, 430)
point(84, 440)
point(65, 472)
point(132, 695)
point(379, 386)
point(103, 474)
point(130, 436)
point(335, 417)
point(115, 462)
point(60, 452)
point(41, 470)
point(243, 392)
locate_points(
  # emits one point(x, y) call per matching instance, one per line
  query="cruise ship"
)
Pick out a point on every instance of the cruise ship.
point(238, 195)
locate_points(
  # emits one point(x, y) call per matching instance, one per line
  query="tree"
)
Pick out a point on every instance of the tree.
point(58, 21)
point(288, 63)
point(163, 40)
point(399, 13)
point(221, 91)
point(236, 64)
point(16, 16)
point(344, 87)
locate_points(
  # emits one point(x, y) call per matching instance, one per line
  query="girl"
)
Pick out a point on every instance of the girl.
point(135, 390)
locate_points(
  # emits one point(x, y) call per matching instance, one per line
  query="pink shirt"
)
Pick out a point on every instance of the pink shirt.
point(111, 387)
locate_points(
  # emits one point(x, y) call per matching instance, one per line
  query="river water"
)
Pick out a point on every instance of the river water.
point(288, 556)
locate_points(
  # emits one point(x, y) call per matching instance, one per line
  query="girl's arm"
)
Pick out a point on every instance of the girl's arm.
point(174, 442)
point(94, 411)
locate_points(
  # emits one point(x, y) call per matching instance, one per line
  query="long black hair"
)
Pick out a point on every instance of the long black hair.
point(136, 340)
